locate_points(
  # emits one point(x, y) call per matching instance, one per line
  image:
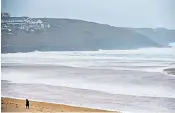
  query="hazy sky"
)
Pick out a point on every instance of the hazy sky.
point(121, 13)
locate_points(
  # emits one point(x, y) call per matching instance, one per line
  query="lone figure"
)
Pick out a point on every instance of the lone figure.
point(27, 104)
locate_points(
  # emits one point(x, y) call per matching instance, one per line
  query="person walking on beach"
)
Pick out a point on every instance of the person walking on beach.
point(27, 104)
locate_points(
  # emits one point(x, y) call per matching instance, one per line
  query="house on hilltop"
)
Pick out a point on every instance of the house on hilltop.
point(23, 23)
point(5, 15)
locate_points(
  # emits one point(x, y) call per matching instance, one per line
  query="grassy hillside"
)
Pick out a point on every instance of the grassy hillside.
point(69, 34)
point(160, 35)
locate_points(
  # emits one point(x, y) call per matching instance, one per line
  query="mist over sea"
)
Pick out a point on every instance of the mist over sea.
point(132, 81)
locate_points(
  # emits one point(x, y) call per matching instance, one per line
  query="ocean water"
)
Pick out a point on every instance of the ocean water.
point(132, 81)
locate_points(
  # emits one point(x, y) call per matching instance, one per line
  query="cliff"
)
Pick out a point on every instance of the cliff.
point(70, 34)
point(160, 35)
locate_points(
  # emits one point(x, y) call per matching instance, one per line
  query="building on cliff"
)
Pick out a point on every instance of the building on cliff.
point(24, 23)
point(5, 15)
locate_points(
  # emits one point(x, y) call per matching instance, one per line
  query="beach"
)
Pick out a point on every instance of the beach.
point(129, 81)
point(18, 105)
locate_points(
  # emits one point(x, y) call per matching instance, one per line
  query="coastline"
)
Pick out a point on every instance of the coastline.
point(18, 105)
point(170, 71)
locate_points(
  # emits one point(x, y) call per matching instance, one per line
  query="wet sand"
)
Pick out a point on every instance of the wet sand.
point(17, 105)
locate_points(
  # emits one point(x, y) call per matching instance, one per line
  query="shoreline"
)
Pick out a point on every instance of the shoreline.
point(18, 105)
point(170, 71)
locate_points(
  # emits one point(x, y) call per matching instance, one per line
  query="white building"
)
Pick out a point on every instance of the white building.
point(13, 20)
point(5, 14)
point(25, 23)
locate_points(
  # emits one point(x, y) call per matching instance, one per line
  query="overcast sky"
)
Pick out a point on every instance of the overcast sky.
point(120, 13)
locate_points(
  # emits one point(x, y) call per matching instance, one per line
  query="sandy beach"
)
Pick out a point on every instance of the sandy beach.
point(129, 81)
point(17, 105)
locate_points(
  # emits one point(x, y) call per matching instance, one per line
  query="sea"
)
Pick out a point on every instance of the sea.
point(130, 81)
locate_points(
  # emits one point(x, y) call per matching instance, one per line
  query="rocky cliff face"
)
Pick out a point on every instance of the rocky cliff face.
point(68, 34)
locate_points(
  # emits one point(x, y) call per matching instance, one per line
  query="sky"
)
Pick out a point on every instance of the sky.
point(119, 13)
